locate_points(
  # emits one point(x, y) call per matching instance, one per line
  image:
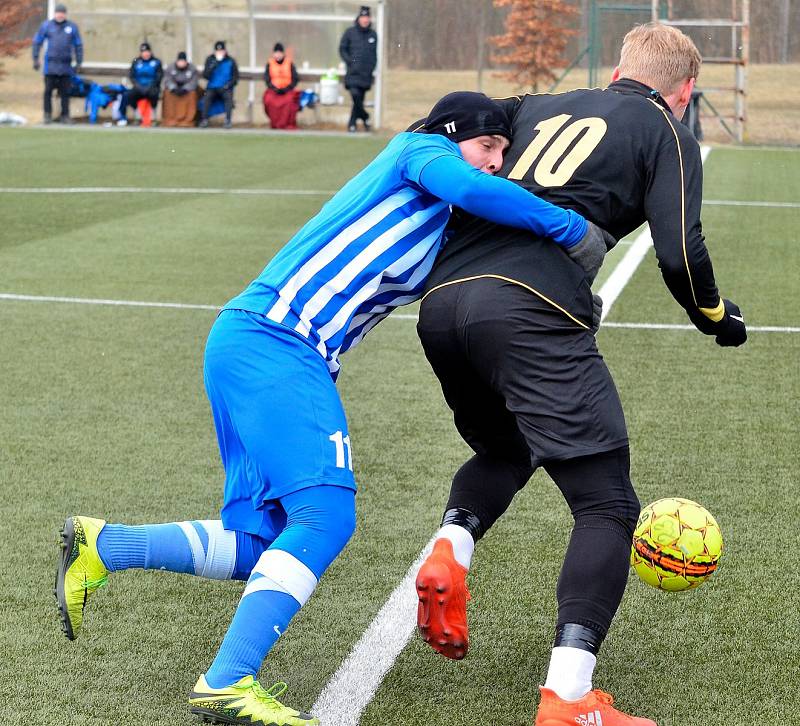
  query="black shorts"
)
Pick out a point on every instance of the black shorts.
point(522, 379)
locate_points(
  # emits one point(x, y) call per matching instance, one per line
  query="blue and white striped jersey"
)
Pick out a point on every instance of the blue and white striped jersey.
point(372, 246)
point(368, 250)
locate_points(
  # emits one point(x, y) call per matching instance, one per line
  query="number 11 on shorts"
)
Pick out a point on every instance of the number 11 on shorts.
point(342, 443)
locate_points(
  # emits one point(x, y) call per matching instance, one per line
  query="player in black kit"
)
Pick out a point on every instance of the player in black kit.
point(506, 324)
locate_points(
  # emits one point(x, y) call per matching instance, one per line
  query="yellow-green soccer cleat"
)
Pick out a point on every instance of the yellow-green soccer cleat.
point(80, 571)
point(245, 702)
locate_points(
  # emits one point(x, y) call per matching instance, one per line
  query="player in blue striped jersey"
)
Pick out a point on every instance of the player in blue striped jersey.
point(271, 360)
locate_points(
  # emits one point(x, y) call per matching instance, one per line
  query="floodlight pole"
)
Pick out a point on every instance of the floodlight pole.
point(187, 11)
point(379, 86)
point(251, 92)
point(51, 8)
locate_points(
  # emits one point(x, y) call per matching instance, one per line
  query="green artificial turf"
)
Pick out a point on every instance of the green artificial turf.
point(104, 413)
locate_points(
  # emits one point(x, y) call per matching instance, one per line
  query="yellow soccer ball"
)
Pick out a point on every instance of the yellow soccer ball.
point(676, 544)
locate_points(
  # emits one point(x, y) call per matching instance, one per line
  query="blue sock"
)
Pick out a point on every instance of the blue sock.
point(320, 521)
point(258, 622)
point(122, 547)
point(196, 548)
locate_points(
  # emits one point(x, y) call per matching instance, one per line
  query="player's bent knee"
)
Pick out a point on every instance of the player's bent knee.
point(281, 571)
point(599, 486)
point(320, 522)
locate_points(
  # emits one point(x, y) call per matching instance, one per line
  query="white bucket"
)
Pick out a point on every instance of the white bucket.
point(328, 91)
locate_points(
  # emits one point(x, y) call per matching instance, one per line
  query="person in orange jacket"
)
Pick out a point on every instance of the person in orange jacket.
point(281, 97)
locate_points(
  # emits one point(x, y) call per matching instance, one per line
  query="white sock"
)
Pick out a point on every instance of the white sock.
point(570, 672)
point(463, 544)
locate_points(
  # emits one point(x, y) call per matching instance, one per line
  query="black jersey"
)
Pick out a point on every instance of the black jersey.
point(619, 157)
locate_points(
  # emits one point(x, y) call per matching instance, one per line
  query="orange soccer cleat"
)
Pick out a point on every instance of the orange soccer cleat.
point(443, 595)
point(594, 709)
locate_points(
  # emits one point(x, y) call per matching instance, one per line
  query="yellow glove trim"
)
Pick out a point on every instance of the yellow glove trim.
point(715, 314)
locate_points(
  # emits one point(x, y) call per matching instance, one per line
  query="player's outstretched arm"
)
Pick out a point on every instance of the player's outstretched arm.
point(672, 207)
point(453, 180)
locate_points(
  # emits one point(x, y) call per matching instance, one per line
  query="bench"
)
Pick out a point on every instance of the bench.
point(250, 74)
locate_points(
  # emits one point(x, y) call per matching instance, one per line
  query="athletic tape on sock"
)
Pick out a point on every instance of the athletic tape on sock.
point(198, 553)
point(282, 572)
point(221, 556)
point(219, 561)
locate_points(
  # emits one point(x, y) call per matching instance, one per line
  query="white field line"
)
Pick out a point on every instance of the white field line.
point(100, 301)
point(303, 193)
point(678, 326)
point(393, 316)
point(298, 193)
point(732, 203)
point(168, 190)
point(355, 682)
point(623, 272)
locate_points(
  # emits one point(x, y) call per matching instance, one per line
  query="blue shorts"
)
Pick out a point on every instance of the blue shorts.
point(279, 420)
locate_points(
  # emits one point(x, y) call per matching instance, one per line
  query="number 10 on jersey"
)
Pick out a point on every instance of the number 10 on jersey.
point(555, 169)
point(343, 449)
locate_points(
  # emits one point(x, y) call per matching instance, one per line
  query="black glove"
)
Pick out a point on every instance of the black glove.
point(731, 331)
point(36, 65)
point(597, 312)
point(591, 250)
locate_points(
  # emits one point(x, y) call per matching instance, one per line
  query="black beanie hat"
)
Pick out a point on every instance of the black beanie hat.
point(464, 115)
point(219, 45)
point(144, 46)
point(278, 47)
point(182, 55)
point(364, 11)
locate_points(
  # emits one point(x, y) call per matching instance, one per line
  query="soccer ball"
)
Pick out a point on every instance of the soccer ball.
point(676, 544)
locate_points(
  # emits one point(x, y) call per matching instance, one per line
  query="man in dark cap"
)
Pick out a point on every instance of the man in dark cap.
point(180, 93)
point(63, 39)
point(270, 364)
point(222, 74)
point(145, 74)
point(281, 102)
point(358, 48)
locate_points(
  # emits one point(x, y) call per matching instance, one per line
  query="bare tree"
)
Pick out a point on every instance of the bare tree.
point(13, 15)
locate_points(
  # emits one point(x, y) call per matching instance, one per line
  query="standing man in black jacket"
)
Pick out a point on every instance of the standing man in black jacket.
point(359, 50)
point(62, 39)
point(506, 323)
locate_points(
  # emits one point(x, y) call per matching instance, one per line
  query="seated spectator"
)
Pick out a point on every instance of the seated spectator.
point(223, 75)
point(180, 93)
point(281, 100)
point(145, 74)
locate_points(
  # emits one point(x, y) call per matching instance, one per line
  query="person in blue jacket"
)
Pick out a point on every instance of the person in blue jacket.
point(62, 39)
point(222, 74)
point(271, 361)
point(146, 73)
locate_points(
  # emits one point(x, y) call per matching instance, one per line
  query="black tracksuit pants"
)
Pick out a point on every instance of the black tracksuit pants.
point(211, 95)
point(62, 83)
point(358, 112)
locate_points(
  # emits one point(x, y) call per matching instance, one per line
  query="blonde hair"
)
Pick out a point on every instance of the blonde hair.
point(659, 56)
